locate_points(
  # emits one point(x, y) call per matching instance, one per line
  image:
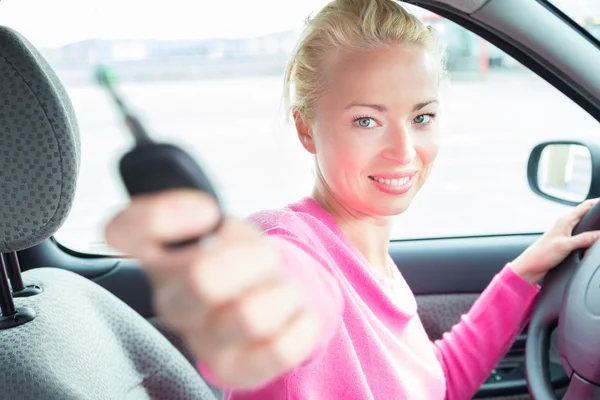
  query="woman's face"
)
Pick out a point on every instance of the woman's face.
point(375, 130)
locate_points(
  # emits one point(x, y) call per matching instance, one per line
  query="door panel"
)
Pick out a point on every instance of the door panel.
point(455, 265)
point(447, 276)
point(439, 312)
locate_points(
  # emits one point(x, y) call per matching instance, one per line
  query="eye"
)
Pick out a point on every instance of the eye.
point(365, 122)
point(423, 119)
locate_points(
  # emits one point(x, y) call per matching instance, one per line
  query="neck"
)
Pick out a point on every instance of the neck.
point(369, 235)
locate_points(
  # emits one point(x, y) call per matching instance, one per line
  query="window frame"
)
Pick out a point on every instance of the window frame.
point(544, 70)
point(565, 17)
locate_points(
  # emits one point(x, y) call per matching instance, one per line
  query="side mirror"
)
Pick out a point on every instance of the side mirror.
point(564, 171)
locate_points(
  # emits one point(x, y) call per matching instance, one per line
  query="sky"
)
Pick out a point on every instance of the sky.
point(51, 23)
point(57, 22)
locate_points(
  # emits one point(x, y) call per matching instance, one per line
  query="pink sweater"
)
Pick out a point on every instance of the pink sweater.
point(373, 345)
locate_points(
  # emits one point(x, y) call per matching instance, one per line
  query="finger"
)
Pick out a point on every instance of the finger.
point(230, 268)
point(239, 230)
point(161, 260)
point(567, 222)
point(578, 212)
point(264, 361)
point(584, 240)
point(175, 304)
point(165, 217)
point(260, 314)
point(181, 287)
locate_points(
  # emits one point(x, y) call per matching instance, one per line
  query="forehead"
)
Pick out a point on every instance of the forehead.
point(393, 72)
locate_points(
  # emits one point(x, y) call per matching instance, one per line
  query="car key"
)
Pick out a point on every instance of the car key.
point(152, 167)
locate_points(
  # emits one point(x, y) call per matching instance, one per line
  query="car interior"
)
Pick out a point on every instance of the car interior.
point(81, 326)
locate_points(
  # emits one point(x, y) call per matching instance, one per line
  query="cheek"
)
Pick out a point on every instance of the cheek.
point(337, 149)
point(342, 159)
point(427, 151)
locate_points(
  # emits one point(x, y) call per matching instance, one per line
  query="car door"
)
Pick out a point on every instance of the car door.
point(219, 98)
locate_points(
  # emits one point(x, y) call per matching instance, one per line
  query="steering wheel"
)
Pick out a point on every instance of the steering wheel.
point(570, 298)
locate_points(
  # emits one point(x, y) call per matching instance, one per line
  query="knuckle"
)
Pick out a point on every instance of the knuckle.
point(243, 227)
point(283, 356)
point(256, 318)
point(267, 254)
point(208, 274)
point(202, 282)
point(290, 297)
point(266, 315)
point(588, 238)
point(254, 253)
point(246, 316)
point(271, 255)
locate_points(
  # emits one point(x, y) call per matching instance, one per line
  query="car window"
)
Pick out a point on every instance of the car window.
point(211, 81)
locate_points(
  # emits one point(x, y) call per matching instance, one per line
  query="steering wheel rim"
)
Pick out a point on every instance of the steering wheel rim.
point(569, 299)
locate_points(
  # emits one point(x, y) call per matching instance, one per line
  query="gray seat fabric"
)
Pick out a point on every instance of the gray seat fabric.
point(84, 343)
point(87, 344)
point(39, 146)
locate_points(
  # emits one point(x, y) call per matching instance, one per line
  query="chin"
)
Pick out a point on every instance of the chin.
point(392, 205)
point(389, 208)
point(397, 208)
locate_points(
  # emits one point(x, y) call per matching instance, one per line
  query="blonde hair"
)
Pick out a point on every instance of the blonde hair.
point(353, 25)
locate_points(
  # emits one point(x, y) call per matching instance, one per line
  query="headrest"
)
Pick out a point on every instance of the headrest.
point(39, 146)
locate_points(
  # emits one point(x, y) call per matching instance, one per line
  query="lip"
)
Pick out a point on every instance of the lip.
point(396, 175)
point(394, 190)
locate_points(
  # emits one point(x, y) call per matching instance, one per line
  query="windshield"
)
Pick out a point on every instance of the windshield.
point(585, 12)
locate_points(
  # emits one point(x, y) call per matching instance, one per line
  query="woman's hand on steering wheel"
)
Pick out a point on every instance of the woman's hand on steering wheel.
point(555, 245)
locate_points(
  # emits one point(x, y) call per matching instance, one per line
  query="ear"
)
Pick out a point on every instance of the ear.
point(304, 133)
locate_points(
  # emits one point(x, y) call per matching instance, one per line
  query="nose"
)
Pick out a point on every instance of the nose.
point(400, 148)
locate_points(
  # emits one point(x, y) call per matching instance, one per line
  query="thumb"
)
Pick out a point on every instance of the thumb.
point(584, 240)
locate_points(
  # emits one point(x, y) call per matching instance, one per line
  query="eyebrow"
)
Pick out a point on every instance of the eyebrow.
point(381, 108)
point(418, 106)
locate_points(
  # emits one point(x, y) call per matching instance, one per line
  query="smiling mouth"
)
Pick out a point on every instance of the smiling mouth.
point(397, 182)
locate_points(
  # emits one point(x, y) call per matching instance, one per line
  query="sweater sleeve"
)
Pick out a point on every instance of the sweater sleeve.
point(474, 346)
point(302, 264)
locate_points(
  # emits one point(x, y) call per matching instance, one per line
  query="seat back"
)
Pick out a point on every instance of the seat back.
point(78, 341)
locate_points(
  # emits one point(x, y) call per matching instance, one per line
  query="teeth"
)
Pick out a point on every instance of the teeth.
point(393, 182)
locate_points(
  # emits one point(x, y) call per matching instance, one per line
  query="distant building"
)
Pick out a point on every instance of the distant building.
point(127, 51)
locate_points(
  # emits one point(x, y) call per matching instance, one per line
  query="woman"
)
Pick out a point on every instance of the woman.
point(310, 305)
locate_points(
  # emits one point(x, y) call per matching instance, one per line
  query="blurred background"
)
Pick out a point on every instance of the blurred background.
point(208, 76)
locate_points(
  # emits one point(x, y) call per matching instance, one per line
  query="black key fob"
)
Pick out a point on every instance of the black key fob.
point(153, 167)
